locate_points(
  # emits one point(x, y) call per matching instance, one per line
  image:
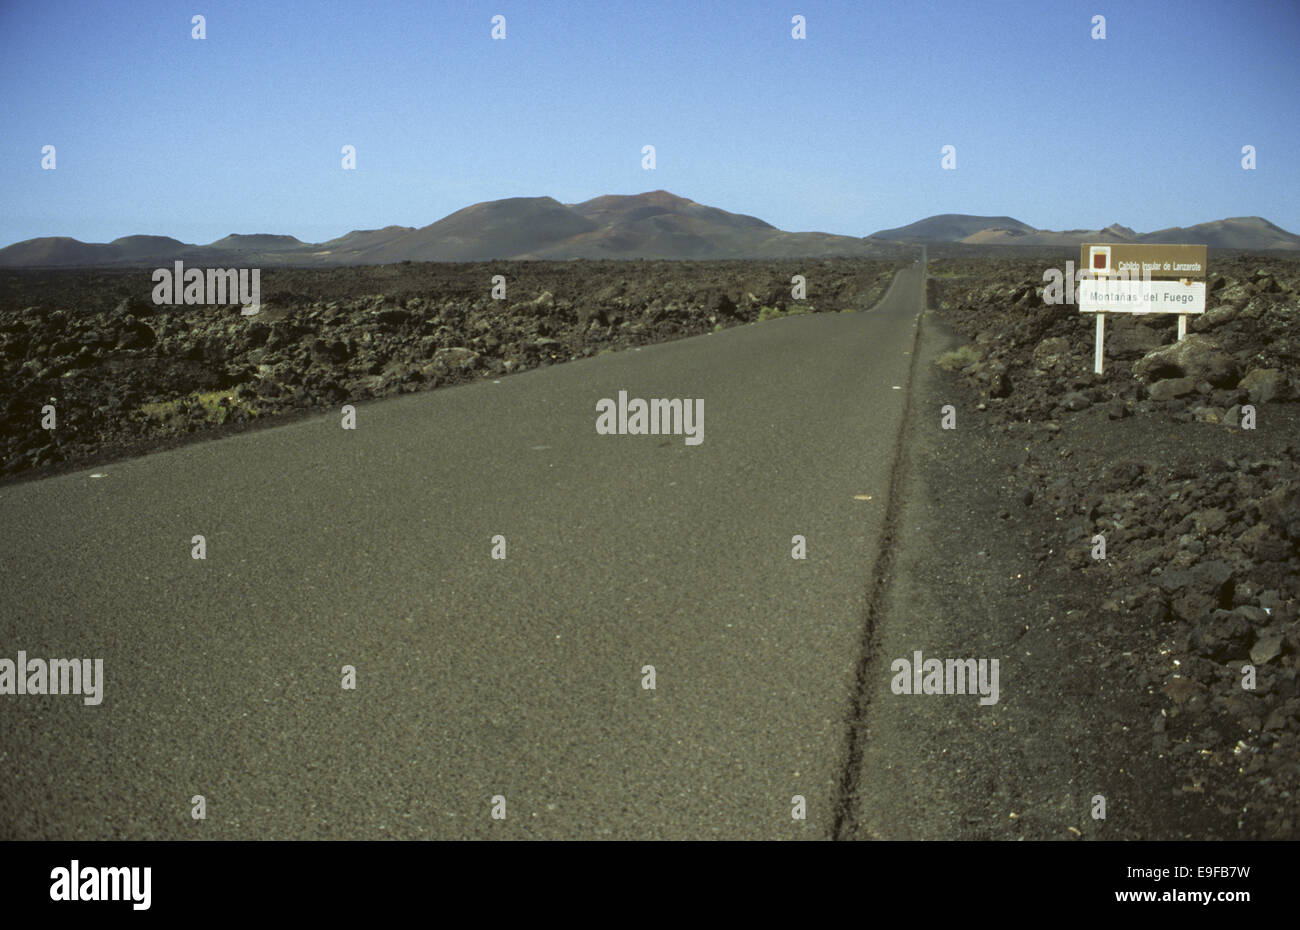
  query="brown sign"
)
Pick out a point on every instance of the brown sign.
point(1141, 261)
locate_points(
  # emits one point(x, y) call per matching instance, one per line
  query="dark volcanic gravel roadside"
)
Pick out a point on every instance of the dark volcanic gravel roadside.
point(1121, 677)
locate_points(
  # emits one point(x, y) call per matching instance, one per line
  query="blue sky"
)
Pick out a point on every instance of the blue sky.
point(156, 132)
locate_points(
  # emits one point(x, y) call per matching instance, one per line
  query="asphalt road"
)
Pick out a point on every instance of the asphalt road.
point(476, 677)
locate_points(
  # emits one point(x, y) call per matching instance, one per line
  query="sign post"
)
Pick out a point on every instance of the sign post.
point(1101, 342)
point(1126, 278)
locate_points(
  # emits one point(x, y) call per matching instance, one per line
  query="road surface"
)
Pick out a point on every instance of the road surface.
point(475, 677)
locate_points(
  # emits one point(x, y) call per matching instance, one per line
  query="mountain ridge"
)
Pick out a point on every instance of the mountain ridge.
point(1238, 232)
point(651, 225)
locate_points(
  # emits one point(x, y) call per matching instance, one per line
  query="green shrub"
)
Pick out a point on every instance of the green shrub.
point(774, 313)
point(169, 412)
point(957, 359)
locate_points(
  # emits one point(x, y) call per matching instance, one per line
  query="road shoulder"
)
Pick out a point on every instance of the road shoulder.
point(1069, 725)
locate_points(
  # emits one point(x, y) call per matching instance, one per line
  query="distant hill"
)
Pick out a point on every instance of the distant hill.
point(653, 225)
point(614, 210)
point(260, 242)
point(1246, 232)
point(55, 250)
point(361, 242)
point(129, 248)
point(1068, 237)
point(1238, 232)
point(515, 227)
point(951, 227)
point(656, 224)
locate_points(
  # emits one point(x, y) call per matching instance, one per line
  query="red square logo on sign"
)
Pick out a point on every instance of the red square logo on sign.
point(1099, 258)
